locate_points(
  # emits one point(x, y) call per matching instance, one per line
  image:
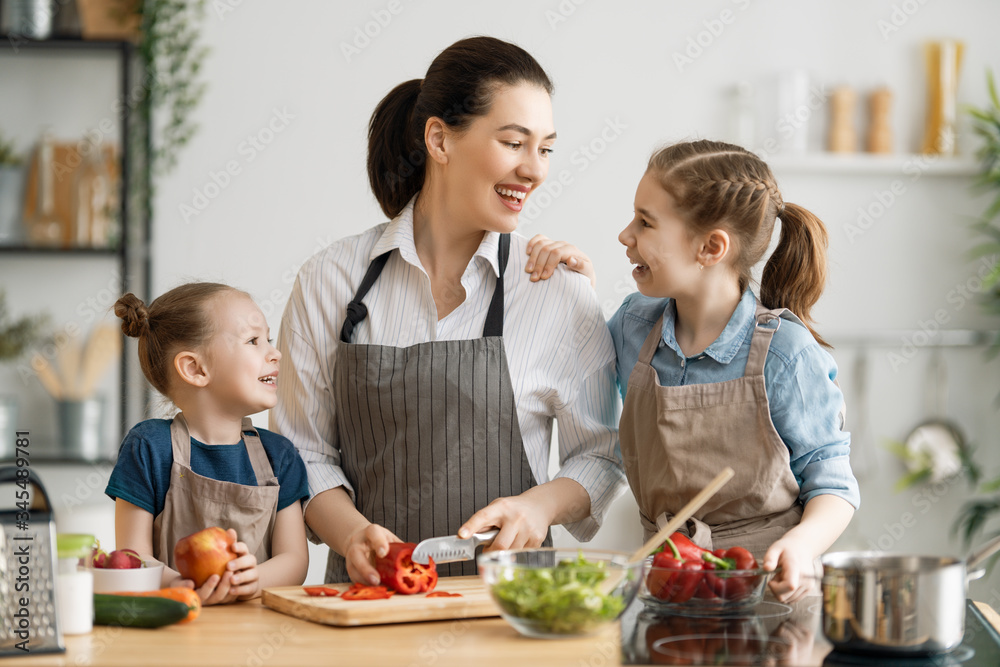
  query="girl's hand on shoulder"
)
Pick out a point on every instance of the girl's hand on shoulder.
point(795, 559)
point(544, 255)
point(363, 547)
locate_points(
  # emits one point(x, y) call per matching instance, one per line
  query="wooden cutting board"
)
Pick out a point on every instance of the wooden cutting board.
point(474, 603)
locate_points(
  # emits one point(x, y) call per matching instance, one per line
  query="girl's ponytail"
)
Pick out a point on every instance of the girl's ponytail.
point(396, 154)
point(795, 274)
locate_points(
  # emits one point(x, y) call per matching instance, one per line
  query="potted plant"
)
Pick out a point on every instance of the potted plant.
point(975, 514)
point(12, 180)
point(16, 336)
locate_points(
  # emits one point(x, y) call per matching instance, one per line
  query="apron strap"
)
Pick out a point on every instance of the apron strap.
point(652, 342)
point(356, 309)
point(180, 440)
point(255, 449)
point(494, 316)
point(762, 335)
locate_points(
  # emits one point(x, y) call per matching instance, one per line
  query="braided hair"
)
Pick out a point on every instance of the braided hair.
point(716, 185)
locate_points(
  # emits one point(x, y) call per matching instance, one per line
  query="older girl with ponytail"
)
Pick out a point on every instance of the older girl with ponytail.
point(713, 375)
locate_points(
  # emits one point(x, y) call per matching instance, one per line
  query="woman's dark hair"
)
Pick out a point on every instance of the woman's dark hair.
point(458, 86)
point(176, 320)
point(718, 185)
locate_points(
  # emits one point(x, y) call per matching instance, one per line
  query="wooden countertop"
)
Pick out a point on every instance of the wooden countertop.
point(251, 634)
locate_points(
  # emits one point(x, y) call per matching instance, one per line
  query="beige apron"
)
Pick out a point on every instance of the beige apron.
point(195, 502)
point(674, 440)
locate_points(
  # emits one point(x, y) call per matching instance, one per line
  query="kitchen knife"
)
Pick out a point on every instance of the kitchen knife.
point(451, 548)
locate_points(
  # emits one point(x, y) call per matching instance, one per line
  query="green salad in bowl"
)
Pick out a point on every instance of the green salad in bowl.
point(551, 592)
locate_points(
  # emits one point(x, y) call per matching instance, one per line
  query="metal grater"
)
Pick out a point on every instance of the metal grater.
point(34, 581)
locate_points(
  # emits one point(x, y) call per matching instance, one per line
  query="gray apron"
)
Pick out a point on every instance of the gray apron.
point(428, 433)
point(675, 440)
point(195, 502)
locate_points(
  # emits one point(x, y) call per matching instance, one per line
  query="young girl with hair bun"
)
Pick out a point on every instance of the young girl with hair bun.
point(205, 346)
point(712, 375)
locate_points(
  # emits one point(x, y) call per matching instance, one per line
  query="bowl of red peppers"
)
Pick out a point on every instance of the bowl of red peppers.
point(684, 578)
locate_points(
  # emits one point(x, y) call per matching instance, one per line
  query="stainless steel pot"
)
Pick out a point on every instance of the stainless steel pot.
point(897, 604)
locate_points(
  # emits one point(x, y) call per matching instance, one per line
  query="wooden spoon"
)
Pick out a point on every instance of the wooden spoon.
point(679, 519)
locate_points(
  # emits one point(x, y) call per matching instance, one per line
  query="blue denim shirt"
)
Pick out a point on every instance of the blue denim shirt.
point(799, 377)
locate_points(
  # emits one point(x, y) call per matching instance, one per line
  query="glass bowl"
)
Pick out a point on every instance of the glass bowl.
point(553, 593)
point(132, 580)
point(706, 593)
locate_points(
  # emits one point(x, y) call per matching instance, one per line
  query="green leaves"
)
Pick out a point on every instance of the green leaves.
point(17, 335)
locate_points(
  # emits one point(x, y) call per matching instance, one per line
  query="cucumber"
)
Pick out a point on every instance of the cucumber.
point(137, 612)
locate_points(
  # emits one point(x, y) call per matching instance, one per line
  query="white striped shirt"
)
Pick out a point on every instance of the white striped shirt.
point(559, 353)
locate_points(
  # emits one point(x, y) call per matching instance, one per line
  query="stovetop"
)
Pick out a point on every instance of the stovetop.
point(780, 635)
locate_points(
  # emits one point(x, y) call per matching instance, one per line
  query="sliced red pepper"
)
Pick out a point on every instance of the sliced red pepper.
point(443, 594)
point(398, 571)
point(320, 591)
point(363, 592)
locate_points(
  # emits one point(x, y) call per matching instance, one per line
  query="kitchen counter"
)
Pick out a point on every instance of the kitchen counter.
point(251, 634)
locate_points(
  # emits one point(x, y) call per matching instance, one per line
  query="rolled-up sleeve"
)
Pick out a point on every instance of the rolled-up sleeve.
point(588, 446)
point(807, 409)
point(305, 413)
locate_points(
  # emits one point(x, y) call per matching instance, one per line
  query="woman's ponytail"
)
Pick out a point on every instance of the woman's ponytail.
point(795, 274)
point(396, 154)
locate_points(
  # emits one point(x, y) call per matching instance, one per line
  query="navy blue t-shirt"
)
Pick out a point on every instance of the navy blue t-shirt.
point(142, 473)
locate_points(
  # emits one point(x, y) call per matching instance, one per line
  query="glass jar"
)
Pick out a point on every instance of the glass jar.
point(75, 584)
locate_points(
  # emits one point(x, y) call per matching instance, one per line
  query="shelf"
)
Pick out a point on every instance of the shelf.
point(862, 164)
point(916, 338)
point(61, 252)
point(17, 43)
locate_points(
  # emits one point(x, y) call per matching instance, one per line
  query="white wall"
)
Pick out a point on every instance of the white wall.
point(619, 91)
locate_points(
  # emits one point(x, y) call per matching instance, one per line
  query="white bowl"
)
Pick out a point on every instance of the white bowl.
point(135, 580)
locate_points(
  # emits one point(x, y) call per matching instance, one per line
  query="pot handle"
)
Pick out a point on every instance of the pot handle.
point(976, 558)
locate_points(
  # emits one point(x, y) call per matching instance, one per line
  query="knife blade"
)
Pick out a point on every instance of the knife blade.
point(451, 548)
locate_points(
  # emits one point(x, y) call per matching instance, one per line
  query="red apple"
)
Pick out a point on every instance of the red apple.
point(202, 554)
point(123, 559)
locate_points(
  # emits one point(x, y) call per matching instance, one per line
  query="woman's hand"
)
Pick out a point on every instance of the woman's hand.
point(524, 520)
point(544, 255)
point(795, 558)
point(521, 523)
point(363, 546)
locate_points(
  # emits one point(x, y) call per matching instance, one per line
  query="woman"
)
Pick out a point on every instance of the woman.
point(422, 373)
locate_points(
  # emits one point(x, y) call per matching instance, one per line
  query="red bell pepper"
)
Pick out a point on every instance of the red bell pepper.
point(443, 594)
point(693, 571)
point(679, 578)
point(398, 571)
point(738, 586)
point(320, 591)
point(363, 592)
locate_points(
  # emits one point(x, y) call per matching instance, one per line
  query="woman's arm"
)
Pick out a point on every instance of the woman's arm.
point(333, 517)
point(823, 521)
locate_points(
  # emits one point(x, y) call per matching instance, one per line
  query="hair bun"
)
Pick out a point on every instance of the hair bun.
point(134, 315)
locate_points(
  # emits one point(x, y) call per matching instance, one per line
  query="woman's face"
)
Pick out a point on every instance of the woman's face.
point(498, 161)
point(658, 242)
